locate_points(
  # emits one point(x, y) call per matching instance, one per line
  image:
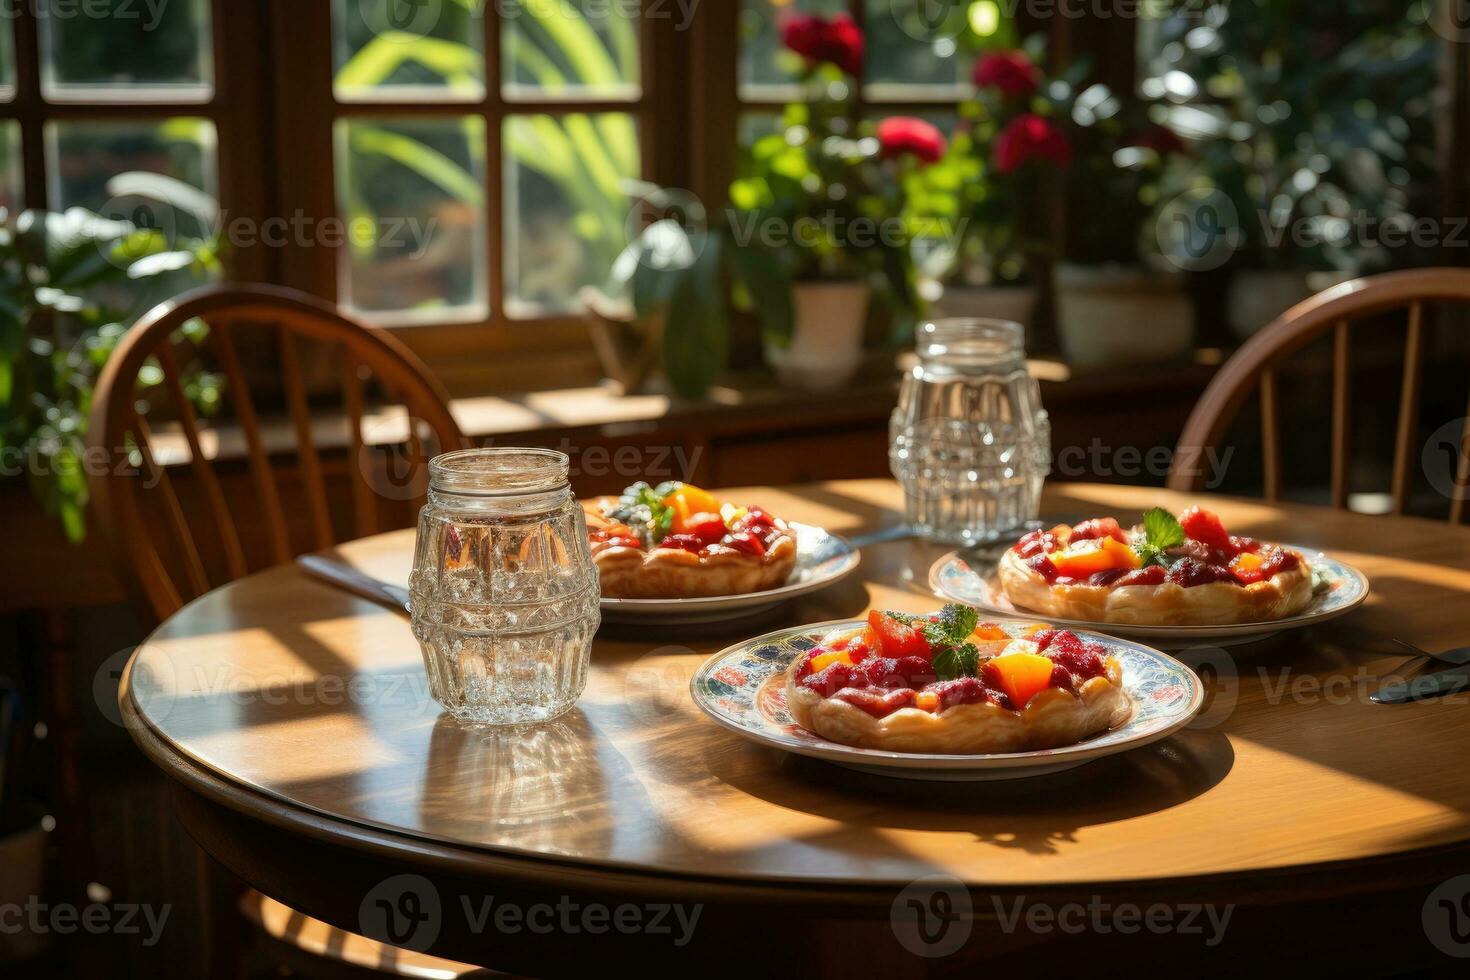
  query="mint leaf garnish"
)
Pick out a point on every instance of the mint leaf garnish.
point(959, 660)
point(1161, 531)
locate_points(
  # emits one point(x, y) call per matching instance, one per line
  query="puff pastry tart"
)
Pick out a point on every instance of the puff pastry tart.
point(947, 684)
point(676, 541)
point(1166, 572)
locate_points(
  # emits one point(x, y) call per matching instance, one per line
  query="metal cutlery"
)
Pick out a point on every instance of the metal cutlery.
point(1425, 686)
point(344, 576)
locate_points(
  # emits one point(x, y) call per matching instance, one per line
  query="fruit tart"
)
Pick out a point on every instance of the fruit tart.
point(948, 684)
point(676, 541)
point(1185, 571)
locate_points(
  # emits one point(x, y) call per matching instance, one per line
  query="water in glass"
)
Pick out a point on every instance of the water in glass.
point(969, 440)
point(504, 595)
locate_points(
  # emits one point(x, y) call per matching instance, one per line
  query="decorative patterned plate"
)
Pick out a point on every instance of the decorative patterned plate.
point(742, 688)
point(822, 558)
point(1340, 588)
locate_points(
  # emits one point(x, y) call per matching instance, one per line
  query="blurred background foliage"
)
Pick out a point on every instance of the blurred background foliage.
point(1307, 117)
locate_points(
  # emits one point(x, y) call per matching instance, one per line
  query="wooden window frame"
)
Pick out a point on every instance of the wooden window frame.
point(273, 107)
point(230, 106)
point(500, 352)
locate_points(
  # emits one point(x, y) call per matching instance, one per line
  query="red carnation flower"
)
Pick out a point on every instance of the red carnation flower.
point(1161, 139)
point(898, 135)
point(1030, 137)
point(816, 38)
point(1009, 71)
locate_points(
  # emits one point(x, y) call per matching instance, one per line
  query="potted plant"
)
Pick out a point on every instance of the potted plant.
point(1117, 300)
point(1313, 131)
point(818, 231)
point(824, 198)
point(1007, 159)
point(72, 283)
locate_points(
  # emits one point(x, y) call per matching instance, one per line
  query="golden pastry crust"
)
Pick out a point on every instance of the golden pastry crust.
point(1212, 604)
point(1054, 717)
point(673, 573)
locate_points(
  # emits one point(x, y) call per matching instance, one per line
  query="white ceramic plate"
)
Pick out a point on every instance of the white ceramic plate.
point(822, 558)
point(742, 687)
point(1340, 588)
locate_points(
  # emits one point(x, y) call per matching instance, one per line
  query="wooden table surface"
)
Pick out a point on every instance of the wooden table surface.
point(286, 701)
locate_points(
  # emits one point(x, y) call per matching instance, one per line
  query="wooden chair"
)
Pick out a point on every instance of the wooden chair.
point(167, 554)
point(1256, 364)
point(162, 551)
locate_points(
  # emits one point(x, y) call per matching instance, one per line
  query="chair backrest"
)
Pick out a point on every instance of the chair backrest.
point(1255, 367)
point(166, 551)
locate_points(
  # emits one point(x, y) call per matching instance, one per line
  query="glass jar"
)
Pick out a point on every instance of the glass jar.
point(503, 592)
point(969, 440)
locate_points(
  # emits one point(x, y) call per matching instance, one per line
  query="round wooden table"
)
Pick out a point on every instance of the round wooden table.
point(309, 759)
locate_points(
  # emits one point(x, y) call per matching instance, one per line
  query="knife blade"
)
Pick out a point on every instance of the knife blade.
point(1457, 656)
point(1424, 686)
point(344, 576)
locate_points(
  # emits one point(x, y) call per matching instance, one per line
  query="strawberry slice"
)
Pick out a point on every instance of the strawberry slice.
point(1203, 525)
point(895, 638)
point(706, 527)
point(747, 543)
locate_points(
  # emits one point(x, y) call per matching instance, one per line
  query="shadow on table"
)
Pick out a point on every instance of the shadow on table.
point(1038, 814)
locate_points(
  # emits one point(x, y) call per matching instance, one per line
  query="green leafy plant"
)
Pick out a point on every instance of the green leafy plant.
point(1307, 118)
point(578, 163)
point(70, 286)
point(1004, 162)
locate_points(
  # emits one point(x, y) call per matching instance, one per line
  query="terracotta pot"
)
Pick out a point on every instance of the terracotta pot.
point(1121, 315)
point(826, 345)
point(1258, 296)
point(1015, 303)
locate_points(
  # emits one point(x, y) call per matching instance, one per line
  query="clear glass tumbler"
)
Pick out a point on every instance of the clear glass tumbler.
point(969, 440)
point(503, 593)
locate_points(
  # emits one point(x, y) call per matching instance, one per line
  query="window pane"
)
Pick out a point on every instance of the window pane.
point(11, 197)
point(567, 183)
point(82, 157)
point(753, 125)
point(764, 62)
point(569, 47)
point(412, 194)
point(7, 59)
point(408, 49)
point(910, 49)
point(121, 48)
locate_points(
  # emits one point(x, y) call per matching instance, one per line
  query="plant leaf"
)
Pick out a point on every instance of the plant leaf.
point(696, 335)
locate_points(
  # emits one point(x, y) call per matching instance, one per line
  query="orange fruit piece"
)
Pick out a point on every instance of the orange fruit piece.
point(926, 701)
point(687, 500)
point(1022, 675)
point(988, 631)
point(1094, 555)
point(824, 660)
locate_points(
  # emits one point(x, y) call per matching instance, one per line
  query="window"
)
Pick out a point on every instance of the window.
point(460, 169)
point(425, 145)
point(93, 90)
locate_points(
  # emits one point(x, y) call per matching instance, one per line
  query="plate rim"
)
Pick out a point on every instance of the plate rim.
point(827, 750)
point(1298, 621)
point(739, 601)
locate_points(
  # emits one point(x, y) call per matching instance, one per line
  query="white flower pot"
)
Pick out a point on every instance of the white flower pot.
point(1258, 296)
point(1121, 315)
point(1017, 303)
point(826, 345)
